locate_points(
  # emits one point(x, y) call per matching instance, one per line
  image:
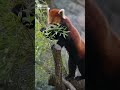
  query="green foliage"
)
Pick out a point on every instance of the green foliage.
point(53, 31)
point(7, 30)
point(44, 64)
point(28, 10)
point(16, 47)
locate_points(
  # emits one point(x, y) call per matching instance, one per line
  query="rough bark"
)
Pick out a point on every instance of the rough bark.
point(56, 50)
point(57, 80)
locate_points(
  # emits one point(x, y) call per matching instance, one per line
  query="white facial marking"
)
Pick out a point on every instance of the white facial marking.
point(63, 13)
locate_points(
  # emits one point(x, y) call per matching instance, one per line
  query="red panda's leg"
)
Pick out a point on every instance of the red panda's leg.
point(61, 42)
point(81, 67)
point(72, 68)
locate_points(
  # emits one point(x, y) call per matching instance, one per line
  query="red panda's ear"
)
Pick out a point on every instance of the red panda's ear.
point(62, 13)
point(48, 9)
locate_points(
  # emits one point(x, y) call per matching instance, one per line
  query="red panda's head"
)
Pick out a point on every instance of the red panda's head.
point(56, 27)
point(55, 16)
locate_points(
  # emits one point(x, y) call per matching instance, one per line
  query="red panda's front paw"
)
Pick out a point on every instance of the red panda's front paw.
point(69, 77)
point(79, 78)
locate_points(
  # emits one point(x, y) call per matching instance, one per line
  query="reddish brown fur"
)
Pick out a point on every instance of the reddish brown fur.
point(103, 50)
point(106, 41)
point(55, 18)
point(80, 44)
point(73, 43)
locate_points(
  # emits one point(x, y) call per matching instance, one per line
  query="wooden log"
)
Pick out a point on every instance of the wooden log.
point(71, 85)
point(57, 80)
point(56, 50)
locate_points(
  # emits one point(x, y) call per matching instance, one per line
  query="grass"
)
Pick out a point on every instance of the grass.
point(16, 47)
point(43, 55)
point(44, 63)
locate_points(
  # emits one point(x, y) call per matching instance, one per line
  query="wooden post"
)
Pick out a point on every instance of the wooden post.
point(56, 50)
point(59, 82)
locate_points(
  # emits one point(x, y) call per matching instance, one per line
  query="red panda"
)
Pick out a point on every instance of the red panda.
point(73, 43)
point(103, 50)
